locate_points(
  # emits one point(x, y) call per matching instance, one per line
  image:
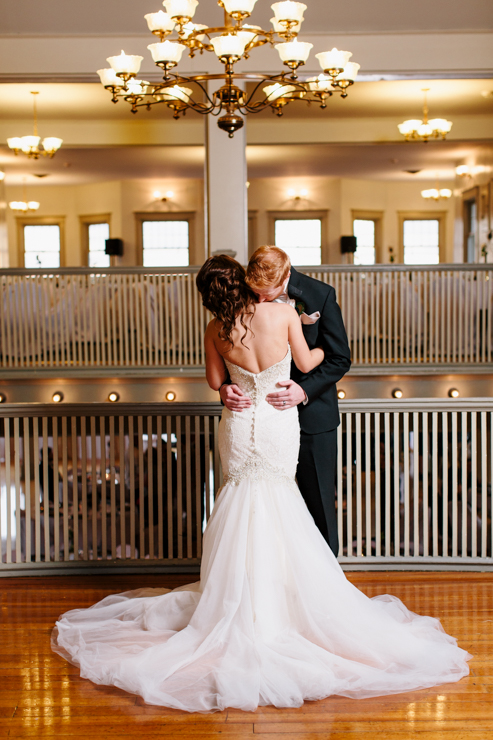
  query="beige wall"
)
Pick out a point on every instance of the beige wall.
point(340, 196)
point(118, 199)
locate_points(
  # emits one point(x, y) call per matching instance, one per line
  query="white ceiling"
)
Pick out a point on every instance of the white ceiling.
point(121, 17)
point(366, 161)
point(399, 98)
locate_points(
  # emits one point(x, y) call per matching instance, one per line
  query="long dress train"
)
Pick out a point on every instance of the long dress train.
point(273, 619)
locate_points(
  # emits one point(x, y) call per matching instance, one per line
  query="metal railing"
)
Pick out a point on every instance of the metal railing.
point(141, 318)
point(98, 488)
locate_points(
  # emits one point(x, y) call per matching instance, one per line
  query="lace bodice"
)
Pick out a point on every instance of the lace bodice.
point(261, 442)
point(258, 385)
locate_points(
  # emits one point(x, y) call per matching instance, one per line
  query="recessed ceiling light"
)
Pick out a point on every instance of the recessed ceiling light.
point(114, 397)
point(170, 396)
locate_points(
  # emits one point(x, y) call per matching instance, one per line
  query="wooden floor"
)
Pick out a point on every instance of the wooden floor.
point(42, 696)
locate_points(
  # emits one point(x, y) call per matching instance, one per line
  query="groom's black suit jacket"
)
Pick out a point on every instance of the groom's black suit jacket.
point(321, 413)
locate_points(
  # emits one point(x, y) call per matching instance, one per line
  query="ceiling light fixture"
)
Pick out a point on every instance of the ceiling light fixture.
point(57, 397)
point(22, 206)
point(341, 394)
point(113, 397)
point(170, 396)
point(436, 193)
point(397, 393)
point(30, 144)
point(229, 43)
point(421, 130)
point(454, 393)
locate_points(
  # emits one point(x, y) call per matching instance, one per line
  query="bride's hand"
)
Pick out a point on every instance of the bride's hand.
point(233, 398)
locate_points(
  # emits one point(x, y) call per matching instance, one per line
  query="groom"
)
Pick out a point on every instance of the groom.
point(271, 277)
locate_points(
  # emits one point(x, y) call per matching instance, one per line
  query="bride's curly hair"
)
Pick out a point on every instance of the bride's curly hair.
point(221, 283)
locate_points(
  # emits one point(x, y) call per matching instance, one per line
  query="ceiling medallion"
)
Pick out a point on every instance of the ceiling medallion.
point(231, 43)
point(30, 144)
point(422, 130)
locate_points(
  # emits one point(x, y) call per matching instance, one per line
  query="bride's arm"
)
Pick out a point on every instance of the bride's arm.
point(304, 358)
point(215, 369)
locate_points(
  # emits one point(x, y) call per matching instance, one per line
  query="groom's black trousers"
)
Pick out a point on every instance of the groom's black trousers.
point(316, 477)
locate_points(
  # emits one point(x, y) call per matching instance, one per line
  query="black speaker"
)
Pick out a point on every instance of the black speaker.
point(114, 247)
point(348, 244)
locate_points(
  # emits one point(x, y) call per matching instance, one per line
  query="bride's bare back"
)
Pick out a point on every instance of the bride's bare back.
point(269, 330)
point(266, 341)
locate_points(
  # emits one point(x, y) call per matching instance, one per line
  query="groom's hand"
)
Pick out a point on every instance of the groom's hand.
point(291, 395)
point(233, 398)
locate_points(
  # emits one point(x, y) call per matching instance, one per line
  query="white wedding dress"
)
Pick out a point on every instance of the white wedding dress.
point(273, 619)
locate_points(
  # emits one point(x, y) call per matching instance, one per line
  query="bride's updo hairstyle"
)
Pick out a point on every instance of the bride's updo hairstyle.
point(268, 268)
point(221, 283)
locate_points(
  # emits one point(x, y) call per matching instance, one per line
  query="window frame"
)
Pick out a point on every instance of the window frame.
point(22, 221)
point(322, 215)
point(439, 216)
point(141, 216)
point(377, 218)
point(85, 222)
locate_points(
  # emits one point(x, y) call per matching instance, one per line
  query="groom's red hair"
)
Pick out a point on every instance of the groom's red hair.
point(268, 268)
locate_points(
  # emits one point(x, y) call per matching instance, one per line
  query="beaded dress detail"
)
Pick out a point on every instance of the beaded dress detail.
point(273, 619)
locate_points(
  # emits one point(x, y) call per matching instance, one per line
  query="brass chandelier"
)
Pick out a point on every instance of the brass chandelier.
point(422, 130)
point(30, 145)
point(231, 42)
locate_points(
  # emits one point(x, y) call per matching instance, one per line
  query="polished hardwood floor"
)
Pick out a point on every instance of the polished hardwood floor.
point(43, 696)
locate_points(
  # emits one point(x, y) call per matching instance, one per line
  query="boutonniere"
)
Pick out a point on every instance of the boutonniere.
point(300, 307)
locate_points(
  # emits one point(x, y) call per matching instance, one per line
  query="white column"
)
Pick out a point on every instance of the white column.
point(225, 192)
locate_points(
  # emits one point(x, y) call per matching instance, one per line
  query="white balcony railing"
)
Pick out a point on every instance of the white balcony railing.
point(92, 487)
point(153, 318)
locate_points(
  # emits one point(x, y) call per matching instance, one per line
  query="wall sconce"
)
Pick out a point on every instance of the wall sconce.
point(3, 398)
point(453, 393)
point(397, 393)
point(464, 170)
point(170, 396)
point(341, 394)
point(57, 397)
point(163, 198)
point(113, 397)
point(297, 195)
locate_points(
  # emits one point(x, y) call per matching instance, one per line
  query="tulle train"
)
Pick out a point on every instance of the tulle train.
point(273, 621)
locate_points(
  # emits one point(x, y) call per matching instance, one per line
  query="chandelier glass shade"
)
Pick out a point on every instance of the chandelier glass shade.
point(30, 145)
point(230, 43)
point(418, 129)
point(436, 193)
point(22, 206)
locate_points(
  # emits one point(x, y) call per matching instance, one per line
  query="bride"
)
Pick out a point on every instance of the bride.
point(273, 619)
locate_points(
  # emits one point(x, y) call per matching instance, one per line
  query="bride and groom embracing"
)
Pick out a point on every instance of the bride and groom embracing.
point(273, 620)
